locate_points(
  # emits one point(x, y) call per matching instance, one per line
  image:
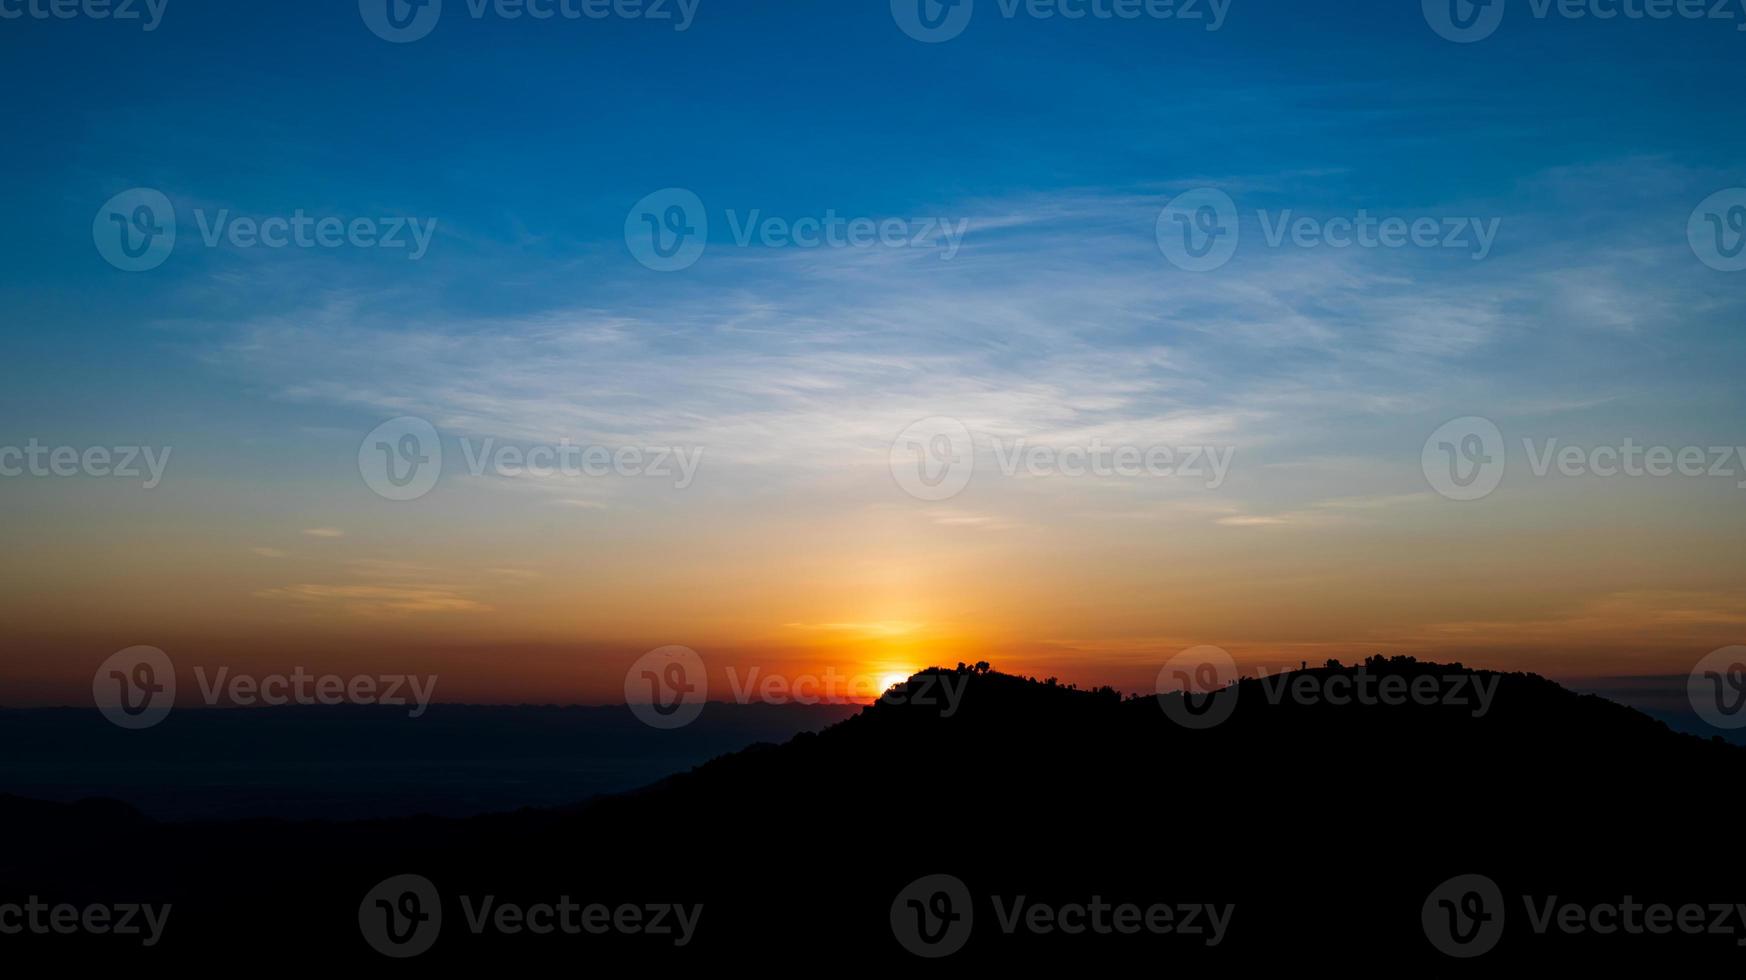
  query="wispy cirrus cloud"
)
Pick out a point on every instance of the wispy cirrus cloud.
point(1060, 322)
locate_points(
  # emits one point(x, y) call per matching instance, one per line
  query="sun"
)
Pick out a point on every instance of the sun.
point(890, 681)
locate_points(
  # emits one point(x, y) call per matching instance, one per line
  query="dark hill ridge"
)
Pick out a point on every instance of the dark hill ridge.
point(1004, 731)
point(1320, 826)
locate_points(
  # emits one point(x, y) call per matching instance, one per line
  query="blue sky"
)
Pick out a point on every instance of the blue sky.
point(527, 141)
point(1055, 142)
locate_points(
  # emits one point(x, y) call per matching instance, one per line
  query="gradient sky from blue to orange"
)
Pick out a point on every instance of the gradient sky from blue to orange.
point(1591, 322)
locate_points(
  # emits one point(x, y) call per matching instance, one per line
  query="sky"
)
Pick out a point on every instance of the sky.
point(861, 304)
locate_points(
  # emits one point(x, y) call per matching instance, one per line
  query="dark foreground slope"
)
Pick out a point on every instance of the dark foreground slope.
point(1308, 831)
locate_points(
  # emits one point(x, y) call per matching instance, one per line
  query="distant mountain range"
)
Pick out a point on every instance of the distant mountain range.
point(1479, 820)
point(351, 762)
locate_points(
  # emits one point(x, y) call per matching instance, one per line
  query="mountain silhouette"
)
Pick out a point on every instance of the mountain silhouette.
point(979, 817)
